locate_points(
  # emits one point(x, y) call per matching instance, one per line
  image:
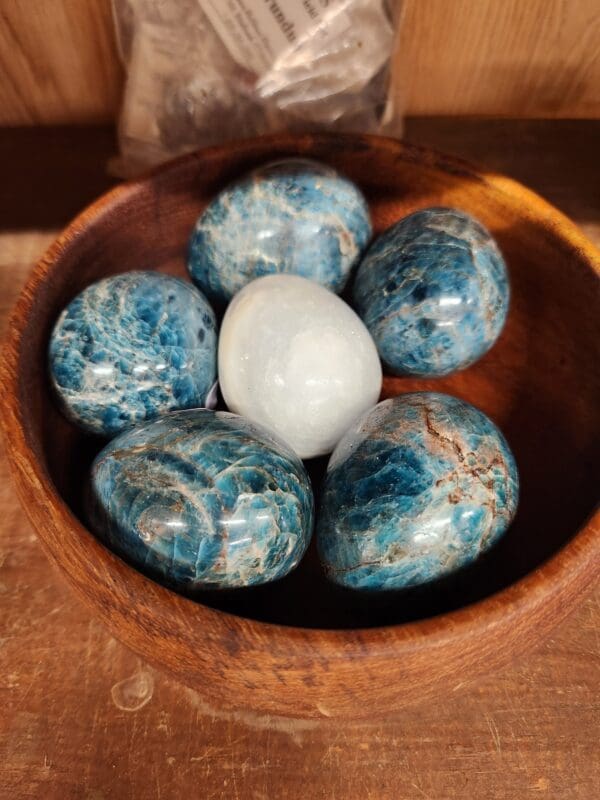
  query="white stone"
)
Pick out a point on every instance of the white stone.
point(296, 358)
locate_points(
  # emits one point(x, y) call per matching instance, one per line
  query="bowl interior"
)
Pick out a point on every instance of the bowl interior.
point(540, 383)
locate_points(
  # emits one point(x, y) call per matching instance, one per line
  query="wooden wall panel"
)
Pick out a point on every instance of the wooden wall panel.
point(536, 58)
point(57, 62)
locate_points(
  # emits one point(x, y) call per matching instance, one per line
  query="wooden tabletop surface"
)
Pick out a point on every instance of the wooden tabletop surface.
point(82, 717)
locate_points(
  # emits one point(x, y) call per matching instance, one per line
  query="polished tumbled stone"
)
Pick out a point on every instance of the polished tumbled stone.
point(433, 290)
point(419, 487)
point(291, 216)
point(202, 499)
point(296, 358)
point(131, 347)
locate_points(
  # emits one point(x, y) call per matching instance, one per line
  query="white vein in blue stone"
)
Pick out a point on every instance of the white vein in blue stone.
point(419, 487)
point(433, 291)
point(292, 216)
point(130, 347)
point(202, 500)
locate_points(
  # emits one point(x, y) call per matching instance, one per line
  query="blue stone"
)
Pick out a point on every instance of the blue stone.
point(433, 290)
point(131, 347)
point(419, 487)
point(202, 499)
point(295, 216)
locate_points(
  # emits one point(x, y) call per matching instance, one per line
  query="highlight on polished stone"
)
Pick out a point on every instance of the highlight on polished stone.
point(419, 487)
point(202, 499)
point(297, 359)
point(131, 347)
point(290, 216)
point(433, 290)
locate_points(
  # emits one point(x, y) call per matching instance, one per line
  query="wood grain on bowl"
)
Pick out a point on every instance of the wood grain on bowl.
point(298, 647)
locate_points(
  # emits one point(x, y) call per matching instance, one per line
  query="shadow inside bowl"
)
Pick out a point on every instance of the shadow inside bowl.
point(540, 382)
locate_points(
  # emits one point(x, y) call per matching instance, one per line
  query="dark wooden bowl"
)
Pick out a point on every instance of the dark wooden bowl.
point(302, 647)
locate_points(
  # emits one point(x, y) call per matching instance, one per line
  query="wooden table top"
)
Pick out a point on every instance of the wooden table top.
point(82, 717)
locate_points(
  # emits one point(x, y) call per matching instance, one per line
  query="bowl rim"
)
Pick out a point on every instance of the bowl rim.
point(564, 576)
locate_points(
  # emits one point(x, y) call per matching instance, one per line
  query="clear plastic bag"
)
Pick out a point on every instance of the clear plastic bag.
point(202, 72)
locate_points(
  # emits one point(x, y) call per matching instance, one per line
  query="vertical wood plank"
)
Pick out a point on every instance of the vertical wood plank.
point(58, 62)
point(539, 58)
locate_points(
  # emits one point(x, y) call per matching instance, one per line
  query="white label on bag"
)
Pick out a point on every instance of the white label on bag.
point(256, 32)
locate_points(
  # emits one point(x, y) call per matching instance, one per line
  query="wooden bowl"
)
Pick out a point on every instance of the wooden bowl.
point(302, 647)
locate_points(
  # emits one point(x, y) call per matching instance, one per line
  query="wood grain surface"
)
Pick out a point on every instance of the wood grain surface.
point(84, 718)
point(58, 62)
point(537, 58)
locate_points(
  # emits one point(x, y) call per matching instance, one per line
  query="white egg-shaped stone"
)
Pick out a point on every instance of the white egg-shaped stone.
point(296, 358)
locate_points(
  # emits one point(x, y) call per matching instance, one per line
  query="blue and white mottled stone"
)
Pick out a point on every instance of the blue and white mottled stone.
point(433, 290)
point(131, 347)
point(291, 216)
point(419, 487)
point(202, 499)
